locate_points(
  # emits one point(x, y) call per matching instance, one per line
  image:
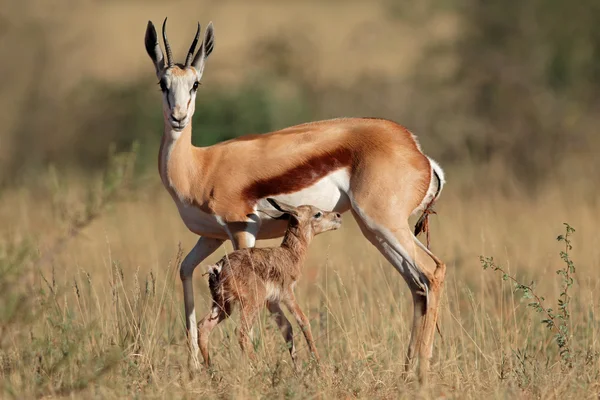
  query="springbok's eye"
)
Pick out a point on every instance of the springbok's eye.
point(195, 87)
point(318, 215)
point(163, 86)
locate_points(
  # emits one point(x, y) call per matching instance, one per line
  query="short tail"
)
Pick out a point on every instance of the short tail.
point(214, 281)
point(433, 192)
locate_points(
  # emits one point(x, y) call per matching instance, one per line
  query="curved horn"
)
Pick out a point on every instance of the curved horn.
point(167, 45)
point(190, 56)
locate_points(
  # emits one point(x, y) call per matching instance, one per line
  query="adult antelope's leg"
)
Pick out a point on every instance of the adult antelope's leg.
point(433, 307)
point(419, 309)
point(243, 234)
point(409, 257)
point(203, 248)
point(242, 240)
point(419, 297)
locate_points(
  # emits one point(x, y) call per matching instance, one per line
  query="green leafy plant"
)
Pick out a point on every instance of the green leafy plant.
point(557, 321)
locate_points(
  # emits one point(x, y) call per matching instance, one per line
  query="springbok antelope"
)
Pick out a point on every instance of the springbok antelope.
point(373, 167)
point(254, 276)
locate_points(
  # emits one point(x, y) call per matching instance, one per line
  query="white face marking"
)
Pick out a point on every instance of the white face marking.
point(179, 96)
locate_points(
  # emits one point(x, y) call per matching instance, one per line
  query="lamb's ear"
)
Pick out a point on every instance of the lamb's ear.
point(205, 49)
point(284, 208)
point(153, 48)
point(275, 214)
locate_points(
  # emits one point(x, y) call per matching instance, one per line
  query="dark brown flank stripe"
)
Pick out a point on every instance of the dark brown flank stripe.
point(300, 177)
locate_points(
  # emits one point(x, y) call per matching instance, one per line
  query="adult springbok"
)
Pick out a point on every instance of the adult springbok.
point(373, 167)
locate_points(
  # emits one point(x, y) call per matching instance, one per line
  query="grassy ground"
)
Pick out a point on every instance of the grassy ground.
point(103, 316)
point(90, 297)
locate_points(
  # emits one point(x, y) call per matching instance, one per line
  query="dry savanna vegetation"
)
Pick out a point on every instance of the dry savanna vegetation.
point(90, 242)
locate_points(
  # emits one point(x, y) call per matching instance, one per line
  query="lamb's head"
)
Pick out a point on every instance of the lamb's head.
point(308, 219)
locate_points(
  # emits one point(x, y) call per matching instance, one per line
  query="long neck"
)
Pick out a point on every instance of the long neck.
point(296, 240)
point(178, 161)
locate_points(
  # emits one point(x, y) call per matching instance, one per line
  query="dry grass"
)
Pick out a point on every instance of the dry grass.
point(105, 317)
point(106, 320)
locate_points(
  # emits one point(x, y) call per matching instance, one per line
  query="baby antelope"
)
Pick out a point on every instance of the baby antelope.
point(254, 276)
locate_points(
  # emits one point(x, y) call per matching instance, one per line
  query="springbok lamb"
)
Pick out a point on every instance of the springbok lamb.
point(254, 276)
point(373, 167)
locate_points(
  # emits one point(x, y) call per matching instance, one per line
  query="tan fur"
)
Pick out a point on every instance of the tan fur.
point(372, 166)
point(389, 177)
point(215, 178)
point(255, 276)
point(177, 70)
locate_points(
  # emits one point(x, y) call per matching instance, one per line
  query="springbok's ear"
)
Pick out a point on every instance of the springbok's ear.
point(284, 208)
point(153, 48)
point(207, 47)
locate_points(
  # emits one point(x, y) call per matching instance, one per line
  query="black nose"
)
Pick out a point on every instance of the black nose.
point(175, 119)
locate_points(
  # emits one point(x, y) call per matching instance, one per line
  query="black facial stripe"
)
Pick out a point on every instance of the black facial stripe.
point(163, 85)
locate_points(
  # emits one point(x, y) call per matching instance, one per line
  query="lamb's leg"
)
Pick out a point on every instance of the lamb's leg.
point(205, 327)
point(248, 313)
point(304, 323)
point(285, 327)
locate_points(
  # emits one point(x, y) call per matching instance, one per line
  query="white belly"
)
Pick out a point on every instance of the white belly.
point(328, 194)
point(201, 223)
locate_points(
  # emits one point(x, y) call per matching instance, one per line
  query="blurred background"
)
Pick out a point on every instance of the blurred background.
point(510, 85)
point(505, 95)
